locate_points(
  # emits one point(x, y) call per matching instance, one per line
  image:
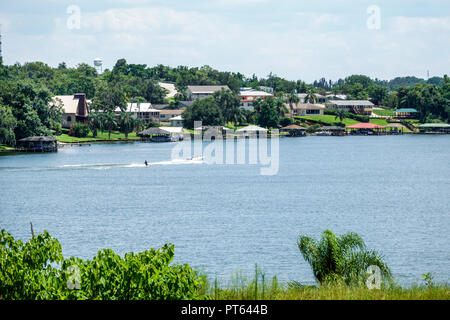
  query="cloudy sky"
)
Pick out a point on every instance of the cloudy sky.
point(291, 38)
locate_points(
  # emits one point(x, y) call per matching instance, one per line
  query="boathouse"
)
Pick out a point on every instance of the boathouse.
point(38, 144)
point(294, 130)
point(155, 135)
point(366, 128)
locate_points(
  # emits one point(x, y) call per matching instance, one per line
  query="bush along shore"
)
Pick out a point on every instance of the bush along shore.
point(37, 270)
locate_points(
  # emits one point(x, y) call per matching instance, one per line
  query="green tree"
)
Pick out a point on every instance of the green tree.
point(268, 115)
point(341, 114)
point(229, 102)
point(7, 125)
point(30, 124)
point(344, 258)
point(109, 122)
point(310, 97)
point(377, 93)
point(292, 99)
point(126, 123)
point(205, 110)
point(109, 97)
point(95, 122)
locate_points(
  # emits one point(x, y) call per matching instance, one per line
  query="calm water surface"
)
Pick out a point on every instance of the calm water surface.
point(393, 191)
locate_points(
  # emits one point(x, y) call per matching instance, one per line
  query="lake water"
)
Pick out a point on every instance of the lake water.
point(392, 190)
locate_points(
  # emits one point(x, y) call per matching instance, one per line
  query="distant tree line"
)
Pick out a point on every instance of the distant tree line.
point(26, 91)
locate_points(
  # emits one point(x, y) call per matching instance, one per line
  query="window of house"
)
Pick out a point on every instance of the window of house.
point(69, 118)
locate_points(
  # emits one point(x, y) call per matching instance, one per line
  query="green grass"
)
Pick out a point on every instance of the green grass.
point(100, 137)
point(384, 113)
point(240, 288)
point(5, 148)
point(328, 119)
point(380, 122)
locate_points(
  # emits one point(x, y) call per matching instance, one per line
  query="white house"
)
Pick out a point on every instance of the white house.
point(199, 92)
point(249, 96)
point(166, 115)
point(176, 121)
point(306, 109)
point(363, 107)
point(143, 111)
point(319, 98)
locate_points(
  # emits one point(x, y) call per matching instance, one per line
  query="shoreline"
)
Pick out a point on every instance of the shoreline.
point(89, 142)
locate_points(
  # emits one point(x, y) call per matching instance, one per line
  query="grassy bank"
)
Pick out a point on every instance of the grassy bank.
point(384, 113)
point(101, 136)
point(333, 293)
point(263, 288)
point(5, 148)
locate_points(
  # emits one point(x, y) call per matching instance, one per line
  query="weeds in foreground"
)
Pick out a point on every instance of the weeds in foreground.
point(240, 287)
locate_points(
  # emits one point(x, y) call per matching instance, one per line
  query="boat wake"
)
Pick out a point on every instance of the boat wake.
point(106, 166)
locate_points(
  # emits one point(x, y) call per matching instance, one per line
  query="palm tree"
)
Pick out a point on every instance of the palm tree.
point(340, 258)
point(139, 124)
point(310, 97)
point(281, 107)
point(126, 123)
point(292, 99)
point(109, 122)
point(94, 122)
point(341, 114)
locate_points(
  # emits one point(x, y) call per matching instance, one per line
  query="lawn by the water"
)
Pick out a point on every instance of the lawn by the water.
point(100, 137)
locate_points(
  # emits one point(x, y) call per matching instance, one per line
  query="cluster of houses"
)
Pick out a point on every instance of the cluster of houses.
point(76, 107)
point(76, 110)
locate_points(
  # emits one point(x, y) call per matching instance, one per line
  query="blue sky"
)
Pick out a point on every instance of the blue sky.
point(294, 39)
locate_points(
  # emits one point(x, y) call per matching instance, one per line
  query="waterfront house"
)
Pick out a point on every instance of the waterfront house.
point(74, 107)
point(142, 111)
point(200, 92)
point(319, 98)
point(306, 109)
point(176, 121)
point(363, 107)
point(248, 96)
point(406, 113)
point(38, 144)
point(166, 115)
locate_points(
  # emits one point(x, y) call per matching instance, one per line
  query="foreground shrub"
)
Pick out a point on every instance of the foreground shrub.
point(37, 270)
point(343, 259)
point(79, 130)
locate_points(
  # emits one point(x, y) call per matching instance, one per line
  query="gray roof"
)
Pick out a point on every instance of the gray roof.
point(306, 106)
point(186, 103)
point(37, 139)
point(154, 131)
point(351, 103)
point(435, 125)
point(331, 128)
point(207, 89)
point(159, 106)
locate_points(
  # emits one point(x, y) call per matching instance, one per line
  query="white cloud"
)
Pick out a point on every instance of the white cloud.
point(420, 24)
point(317, 20)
